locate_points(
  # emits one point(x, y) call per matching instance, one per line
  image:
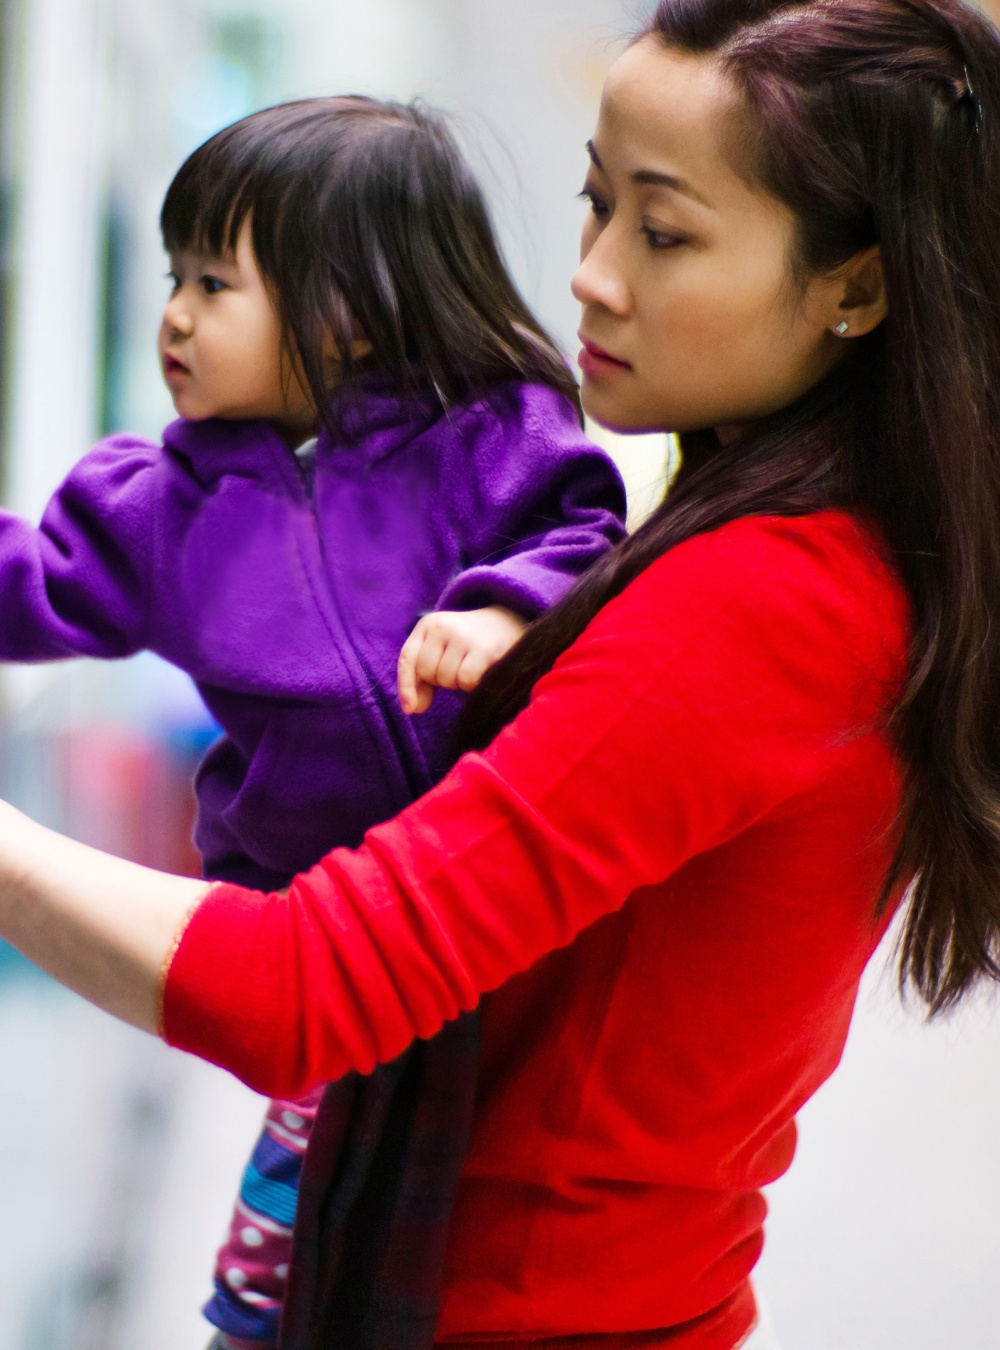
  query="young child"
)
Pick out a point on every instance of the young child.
point(377, 479)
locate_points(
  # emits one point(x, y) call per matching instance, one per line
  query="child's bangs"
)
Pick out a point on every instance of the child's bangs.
point(206, 204)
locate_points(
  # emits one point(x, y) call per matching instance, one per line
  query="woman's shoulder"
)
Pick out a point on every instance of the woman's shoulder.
point(817, 596)
point(777, 561)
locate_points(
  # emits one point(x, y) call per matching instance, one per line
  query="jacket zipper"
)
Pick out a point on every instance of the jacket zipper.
point(417, 783)
point(416, 788)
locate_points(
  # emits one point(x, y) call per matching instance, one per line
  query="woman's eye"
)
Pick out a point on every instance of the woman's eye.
point(662, 239)
point(598, 205)
point(212, 285)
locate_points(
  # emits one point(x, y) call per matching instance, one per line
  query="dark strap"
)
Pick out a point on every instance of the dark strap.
point(375, 1199)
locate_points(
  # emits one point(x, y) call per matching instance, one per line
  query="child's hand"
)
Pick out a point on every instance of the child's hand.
point(453, 650)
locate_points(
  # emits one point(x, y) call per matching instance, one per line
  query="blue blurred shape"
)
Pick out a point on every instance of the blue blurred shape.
point(211, 92)
point(14, 966)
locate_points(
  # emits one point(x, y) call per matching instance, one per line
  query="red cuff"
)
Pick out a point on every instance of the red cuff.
point(206, 979)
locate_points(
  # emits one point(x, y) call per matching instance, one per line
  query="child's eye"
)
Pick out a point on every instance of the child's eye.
point(175, 282)
point(212, 285)
point(598, 205)
point(662, 239)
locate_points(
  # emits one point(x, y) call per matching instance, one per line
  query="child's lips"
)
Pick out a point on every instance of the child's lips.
point(173, 369)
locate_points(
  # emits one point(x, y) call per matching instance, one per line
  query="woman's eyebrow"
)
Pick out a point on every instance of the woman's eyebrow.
point(655, 178)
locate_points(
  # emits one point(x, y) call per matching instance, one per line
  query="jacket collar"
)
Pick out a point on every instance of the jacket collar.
point(217, 447)
point(372, 420)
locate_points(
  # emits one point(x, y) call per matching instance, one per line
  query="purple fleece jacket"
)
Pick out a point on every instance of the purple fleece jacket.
point(286, 592)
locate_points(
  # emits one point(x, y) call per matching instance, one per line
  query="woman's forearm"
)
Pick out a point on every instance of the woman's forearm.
point(101, 926)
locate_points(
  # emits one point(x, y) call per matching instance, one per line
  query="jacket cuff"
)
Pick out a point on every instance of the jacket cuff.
point(527, 593)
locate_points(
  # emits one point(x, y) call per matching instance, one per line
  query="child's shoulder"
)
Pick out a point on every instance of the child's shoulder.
point(198, 451)
point(125, 445)
point(129, 462)
point(517, 420)
point(534, 409)
point(116, 458)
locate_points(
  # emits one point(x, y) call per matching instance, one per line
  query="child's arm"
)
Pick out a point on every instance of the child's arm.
point(535, 503)
point(454, 650)
point(77, 584)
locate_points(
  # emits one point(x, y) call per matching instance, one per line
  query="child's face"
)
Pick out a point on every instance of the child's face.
point(691, 316)
point(220, 344)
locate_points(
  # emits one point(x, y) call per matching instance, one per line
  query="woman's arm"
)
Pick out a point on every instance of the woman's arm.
point(103, 927)
point(720, 685)
point(714, 689)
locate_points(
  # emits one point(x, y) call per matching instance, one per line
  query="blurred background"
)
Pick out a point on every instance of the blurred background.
point(120, 1158)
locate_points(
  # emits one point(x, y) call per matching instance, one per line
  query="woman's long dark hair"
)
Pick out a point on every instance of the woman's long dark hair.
point(877, 122)
point(366, 220)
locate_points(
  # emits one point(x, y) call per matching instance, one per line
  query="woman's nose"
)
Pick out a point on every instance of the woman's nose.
point(599, 280)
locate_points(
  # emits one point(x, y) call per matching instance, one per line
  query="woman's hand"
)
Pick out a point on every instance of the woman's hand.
point(102, 926)
point(454, 650)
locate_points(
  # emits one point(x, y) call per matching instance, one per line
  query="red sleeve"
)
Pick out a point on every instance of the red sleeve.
point(710, 692)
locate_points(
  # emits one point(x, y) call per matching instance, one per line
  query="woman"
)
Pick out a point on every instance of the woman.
point(724, 757)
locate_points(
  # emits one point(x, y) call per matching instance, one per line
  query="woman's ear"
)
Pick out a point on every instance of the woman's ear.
point(858, 296)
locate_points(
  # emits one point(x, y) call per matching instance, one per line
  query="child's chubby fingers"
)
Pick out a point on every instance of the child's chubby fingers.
point(453, 650)
point(454, 653)
point(417, 668)
point(406, 670)
point(475, 664)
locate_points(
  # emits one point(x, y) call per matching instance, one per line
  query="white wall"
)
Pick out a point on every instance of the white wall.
point(58, 160)
point(885, 1233)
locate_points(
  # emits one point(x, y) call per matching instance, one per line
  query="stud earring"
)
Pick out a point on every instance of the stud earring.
point(842, 327)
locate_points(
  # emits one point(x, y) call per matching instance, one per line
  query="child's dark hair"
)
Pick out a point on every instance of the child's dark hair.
point(366, 220)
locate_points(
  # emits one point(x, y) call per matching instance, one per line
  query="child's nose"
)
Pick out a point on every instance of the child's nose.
point(177, 317)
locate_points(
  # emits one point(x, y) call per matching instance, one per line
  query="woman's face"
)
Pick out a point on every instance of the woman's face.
point(691, 317)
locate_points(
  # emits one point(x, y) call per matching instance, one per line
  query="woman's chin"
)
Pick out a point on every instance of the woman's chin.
point(615, 416)
point(625, 426)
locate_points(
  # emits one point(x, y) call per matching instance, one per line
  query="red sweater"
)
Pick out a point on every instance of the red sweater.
point(669, 863)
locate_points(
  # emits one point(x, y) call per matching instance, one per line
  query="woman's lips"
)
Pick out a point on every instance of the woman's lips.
point(595, 362)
